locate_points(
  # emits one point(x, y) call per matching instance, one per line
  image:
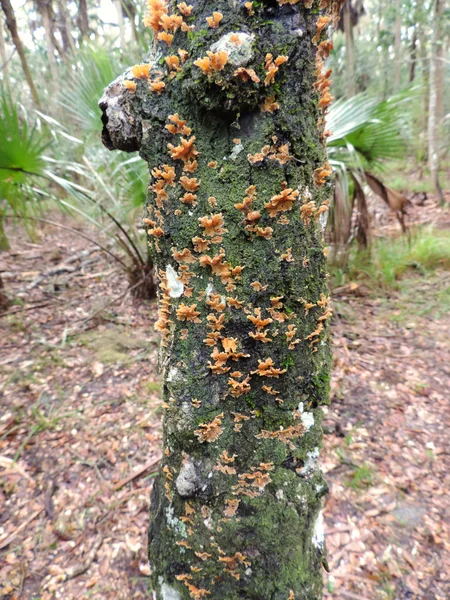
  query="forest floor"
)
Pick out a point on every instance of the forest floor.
point(80, 432)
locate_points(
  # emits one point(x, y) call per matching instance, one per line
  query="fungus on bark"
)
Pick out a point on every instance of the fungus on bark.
point(228, 110)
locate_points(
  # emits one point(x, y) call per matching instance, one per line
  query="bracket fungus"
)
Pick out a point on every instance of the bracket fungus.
point(228, 109)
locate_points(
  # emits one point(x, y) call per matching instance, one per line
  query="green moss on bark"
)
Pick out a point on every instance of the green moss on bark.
point(235, 508)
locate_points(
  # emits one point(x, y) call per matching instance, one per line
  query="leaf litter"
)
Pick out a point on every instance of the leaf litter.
point(80, 436)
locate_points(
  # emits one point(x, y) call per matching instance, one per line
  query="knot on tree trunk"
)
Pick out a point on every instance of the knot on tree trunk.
point(122, 128)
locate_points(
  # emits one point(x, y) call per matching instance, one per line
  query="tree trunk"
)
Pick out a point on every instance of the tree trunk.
point(121, 20)
point(350, 70)
point(398, 50)
point(129, 9)
point(11, 23)
point(65, 27)
point(413, 56)
point(235, 218)
point(83, 19)
point(43, 8)
point(3, 57)
point(435, 100)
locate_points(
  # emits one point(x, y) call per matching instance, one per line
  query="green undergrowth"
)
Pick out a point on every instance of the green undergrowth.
point(391, 261)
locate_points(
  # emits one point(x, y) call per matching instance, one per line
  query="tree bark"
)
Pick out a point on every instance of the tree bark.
point(3, 58)
point(121, 20)
point(235, 217)
point(350, 70)
point(129, 9)
point(83, 19)
point(65, 27)
point(413, 56)
point(435, 99)
point(398, 50)
point(11, 23)
point(44, 11)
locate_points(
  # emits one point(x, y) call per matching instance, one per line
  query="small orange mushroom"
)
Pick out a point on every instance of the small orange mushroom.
point(185, 10)
point(141, 71)
point(214, 21)
point(188, 313)
point(130, 85)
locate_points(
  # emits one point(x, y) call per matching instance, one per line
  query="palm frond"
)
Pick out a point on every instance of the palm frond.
point(366, 133)
point(92, 70)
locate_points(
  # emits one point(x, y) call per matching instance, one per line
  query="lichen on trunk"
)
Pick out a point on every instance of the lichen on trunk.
point(228, 110)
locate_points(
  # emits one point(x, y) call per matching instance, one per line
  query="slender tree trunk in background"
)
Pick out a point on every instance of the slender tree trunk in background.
point(43, 8)
point(235, 216)
point(425, 92)
point(350, 71)
point(435, 101)
point(413, 56)
point(3, 57)
point(385, 73)
point(398, 50)
point(65, 27)
point(83, 19)
point(12, 27)
point(130, 11)
point(121, 20)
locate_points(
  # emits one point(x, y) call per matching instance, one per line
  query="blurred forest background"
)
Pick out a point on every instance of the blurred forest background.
point(79, 419)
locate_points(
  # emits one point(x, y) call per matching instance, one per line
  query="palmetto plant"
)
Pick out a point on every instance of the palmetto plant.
point(30, 176)
point(92, 70)
point(22, 149)
point(366, 134)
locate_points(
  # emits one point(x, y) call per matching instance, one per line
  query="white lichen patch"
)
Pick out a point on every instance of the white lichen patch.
point(307, 418)
point(318, 537)
point(166, 591)
point(238, 54)
point(311, 462)
point(323, 220)
point(174, 375)
point(175, 523)
point(236, 151)
point(174, 285)
point(187, 481)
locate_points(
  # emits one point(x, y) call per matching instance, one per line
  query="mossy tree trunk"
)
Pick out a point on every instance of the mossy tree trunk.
point(230, 117)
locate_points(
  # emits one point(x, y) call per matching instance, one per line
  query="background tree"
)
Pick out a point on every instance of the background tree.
point(352, 10)
point(3, 56)
point(83, 19)
point(435, 112)
point(230, 119)
point(11, 24)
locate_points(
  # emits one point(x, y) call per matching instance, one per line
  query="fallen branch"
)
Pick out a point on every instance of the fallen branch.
point(65, 267)
point(111, 302)
point(25, 309)
point(153, 463)
point(4, 542)
point(10, 465)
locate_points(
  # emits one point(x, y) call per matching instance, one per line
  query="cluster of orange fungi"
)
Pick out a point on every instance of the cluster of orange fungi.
point(212, 228)
point(272, 67)
point(213, 62)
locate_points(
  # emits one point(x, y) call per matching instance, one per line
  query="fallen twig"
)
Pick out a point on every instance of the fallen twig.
point(152, 463)
point(4, 542)
point(11, 465)
point(24, 309)
point(353, 596)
